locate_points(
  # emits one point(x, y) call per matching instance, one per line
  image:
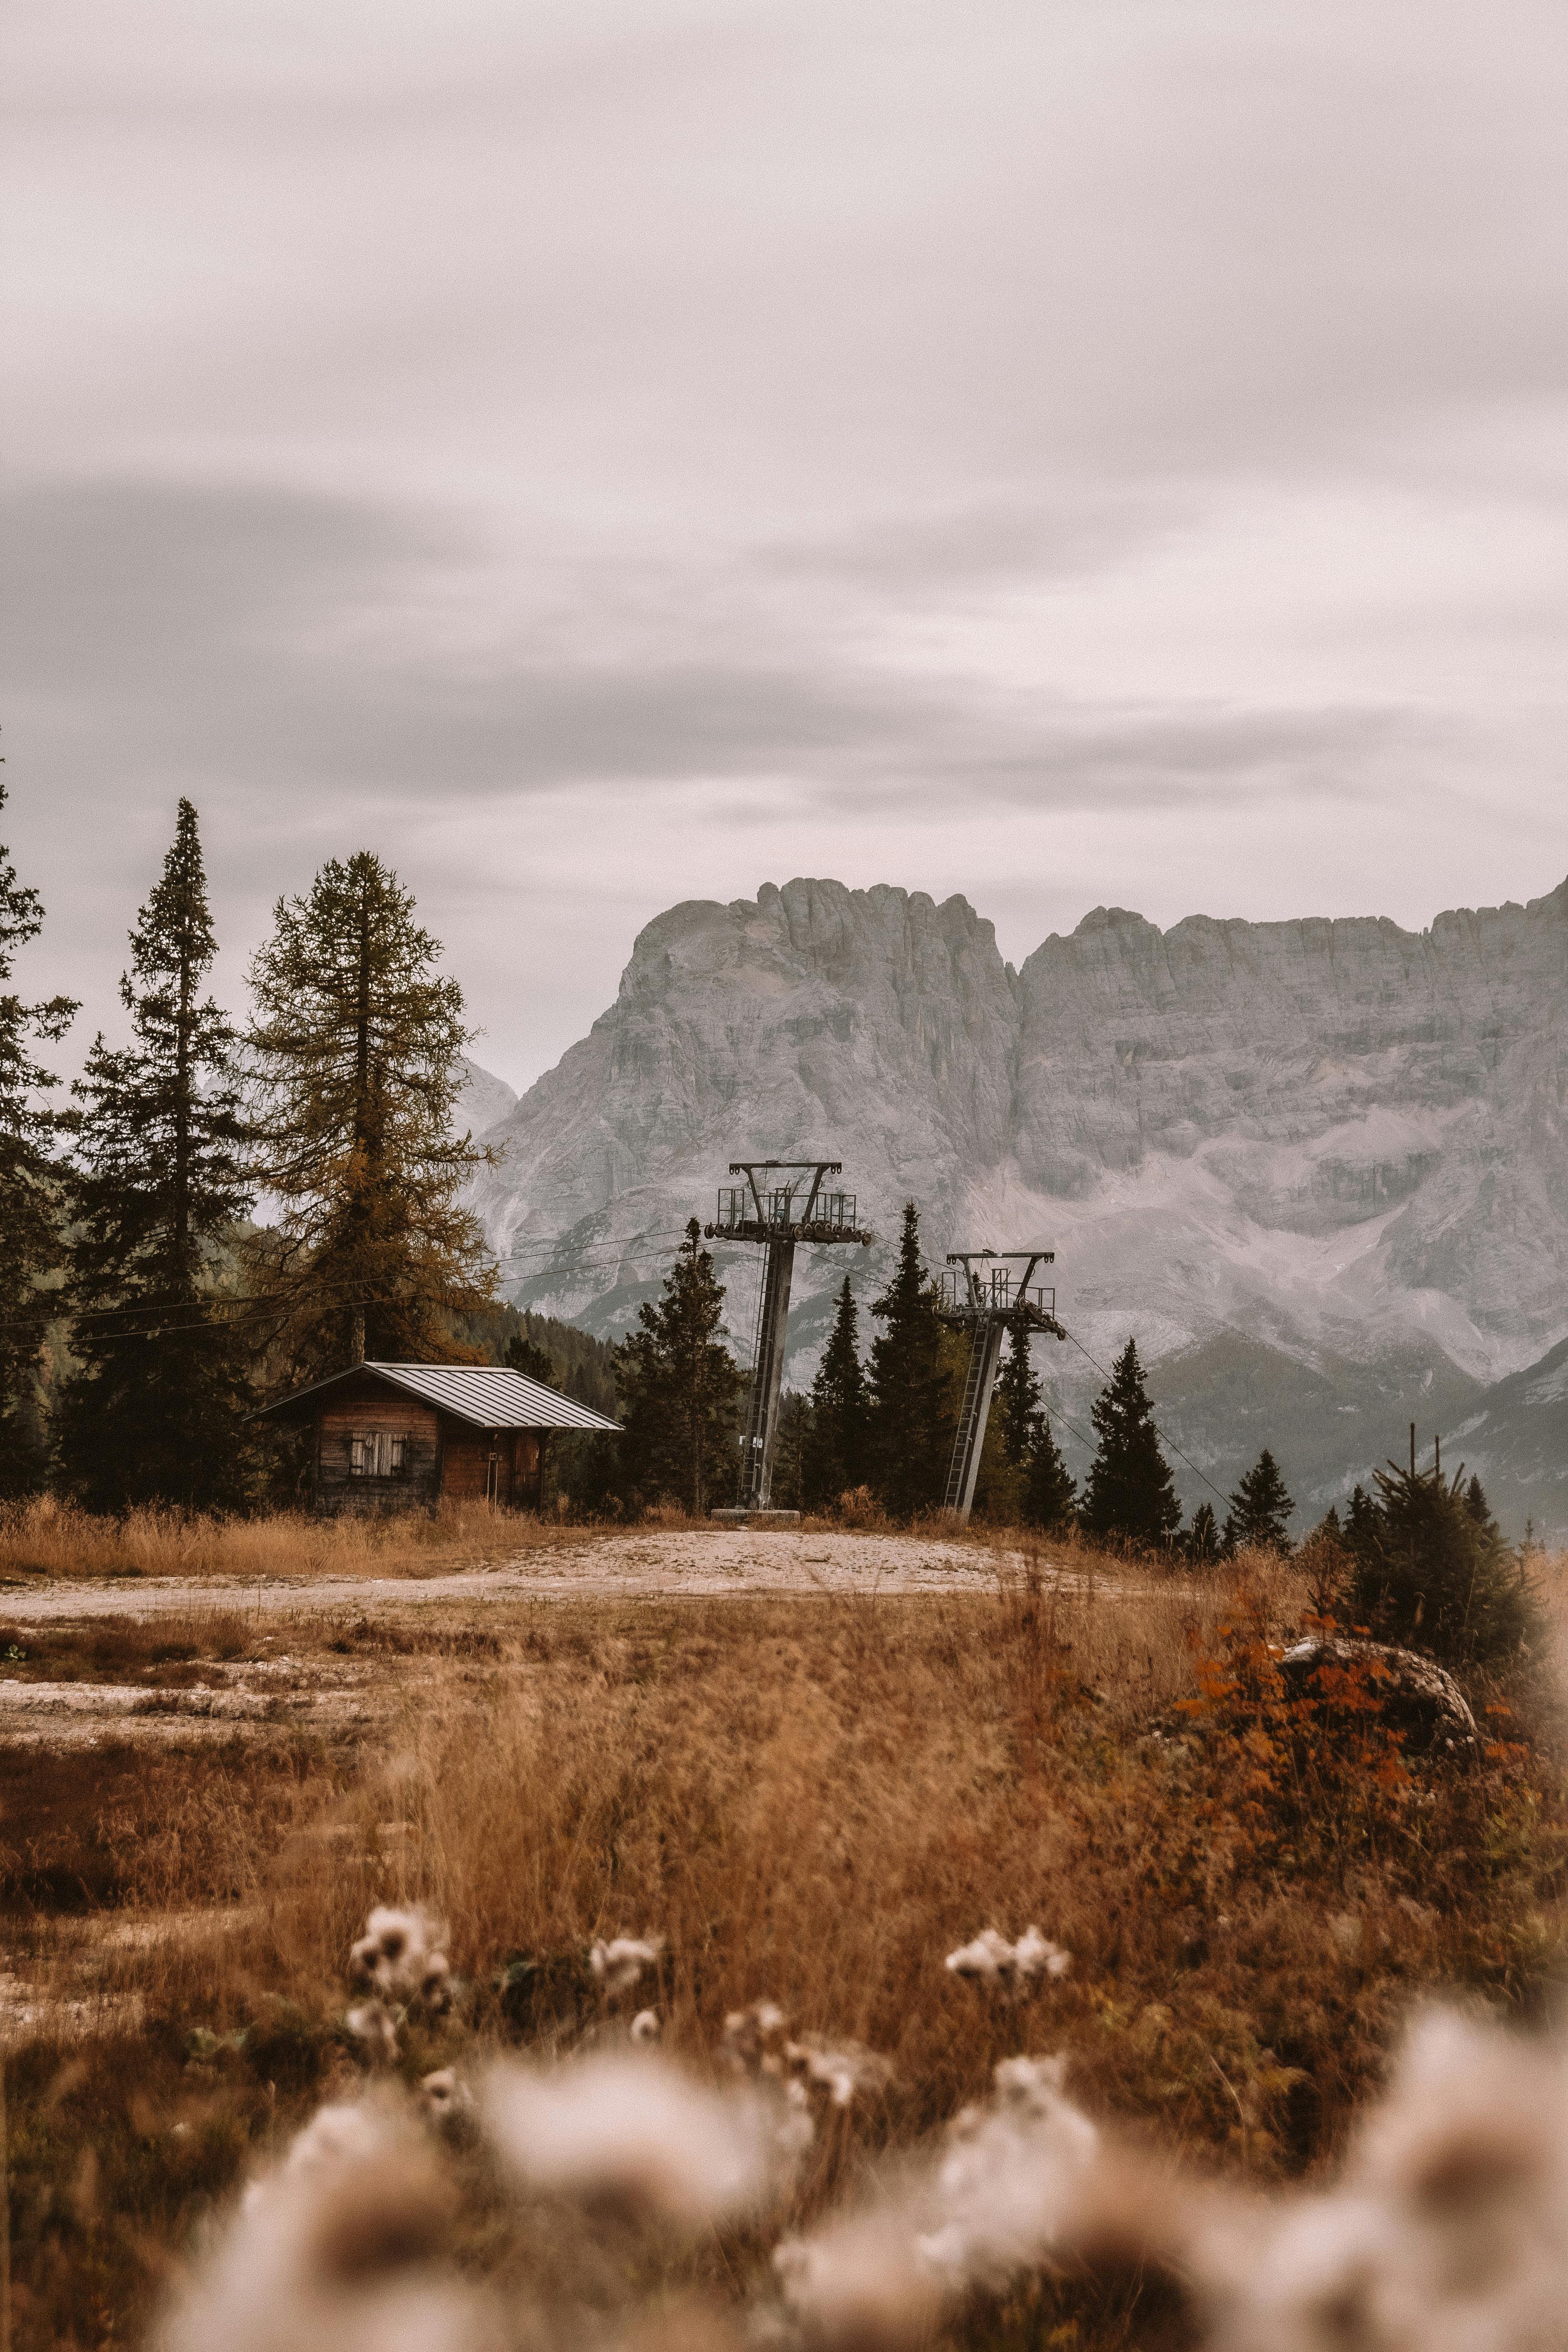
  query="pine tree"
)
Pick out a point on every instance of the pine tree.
point(1430, 1576)
point(833, 1443)
point(911, 1422)
point(30, 1249)
point(523, 1356)
point(1202, 1543)
point(159, 1180)
point(356, 1050)
point(680, 1388)
point(1130, 1494)
point(1051, 1494)
point(1261, 1509)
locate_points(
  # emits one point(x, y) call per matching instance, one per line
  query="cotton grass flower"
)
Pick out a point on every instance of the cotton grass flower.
point(1449, 2230)
point(841, 2069)
point(991, 1960)
point(999, 2203)
point(398, 1959)
point(371, 2023)
point(645, 2027)
point(618, 1967)
point(754, 2038)
point(630, 2131)
point(340, 2246)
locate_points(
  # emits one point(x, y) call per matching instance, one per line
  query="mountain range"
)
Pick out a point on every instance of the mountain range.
point(1316, 1167)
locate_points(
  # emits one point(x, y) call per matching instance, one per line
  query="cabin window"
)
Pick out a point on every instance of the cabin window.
point(377, 1454)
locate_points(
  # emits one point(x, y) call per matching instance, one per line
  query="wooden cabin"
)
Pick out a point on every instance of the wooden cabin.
point(391, 1436)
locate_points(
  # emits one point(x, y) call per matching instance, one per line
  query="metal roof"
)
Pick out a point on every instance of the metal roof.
point(479, 1393)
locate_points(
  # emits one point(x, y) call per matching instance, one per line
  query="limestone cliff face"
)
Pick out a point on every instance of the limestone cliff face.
point(1338, 1140)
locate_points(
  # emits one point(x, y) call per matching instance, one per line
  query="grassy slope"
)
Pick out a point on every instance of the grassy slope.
point(813, 1800)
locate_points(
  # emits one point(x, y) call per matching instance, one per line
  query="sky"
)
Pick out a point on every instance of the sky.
point(601, 453)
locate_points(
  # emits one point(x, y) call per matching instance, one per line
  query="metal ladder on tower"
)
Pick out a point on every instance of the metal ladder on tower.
point(971, 1427)
point(982, 1298)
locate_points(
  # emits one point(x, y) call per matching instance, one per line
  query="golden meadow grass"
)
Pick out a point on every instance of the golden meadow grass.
point(810, 1800)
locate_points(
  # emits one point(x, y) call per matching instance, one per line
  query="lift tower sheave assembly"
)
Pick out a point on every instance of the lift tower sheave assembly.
point(780, 1203)
point(980, 1295)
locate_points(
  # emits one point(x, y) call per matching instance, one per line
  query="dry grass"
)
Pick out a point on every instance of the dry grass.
point(45, 1537)
point(812, 1799)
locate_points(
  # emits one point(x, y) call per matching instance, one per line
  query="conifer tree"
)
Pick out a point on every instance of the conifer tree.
point(1261, 1509)
point(1016, 1403)
point(1202, 1543)
point(912, 1429)
point(29, 1203)
point(356, 1054)
point(523, 1355)
point(1479, 1509)
point(834, 1442)
point(159, 1180)
point(1050, 1494)
point(680, 1388)
point(1129, 1493)
point(1430, 1576)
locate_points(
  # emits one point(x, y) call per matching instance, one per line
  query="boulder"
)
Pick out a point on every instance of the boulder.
point(1417, 1697)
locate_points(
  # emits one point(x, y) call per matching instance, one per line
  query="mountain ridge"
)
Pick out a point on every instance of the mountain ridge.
point(1328, 1137)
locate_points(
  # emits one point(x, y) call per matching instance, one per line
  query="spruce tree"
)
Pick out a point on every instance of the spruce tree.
point(159, 1180)
point(680, 1388)
point(1479, 1509)
point(1017, 1401)
point(911, 1422)
point(356, 1053)
point(1050, 1494)
point(1261, 1509)
point(1130, 1495)
point(834, 1441)
point(1202, 1544)
point(30, 1250)
point(1429, 1576)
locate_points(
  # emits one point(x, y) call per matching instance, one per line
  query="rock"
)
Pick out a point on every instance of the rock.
point(1417, 1697)
point(1337, 1145)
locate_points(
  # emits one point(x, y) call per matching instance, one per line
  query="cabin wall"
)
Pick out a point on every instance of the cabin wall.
point(466, 1474)
point(338, 1487)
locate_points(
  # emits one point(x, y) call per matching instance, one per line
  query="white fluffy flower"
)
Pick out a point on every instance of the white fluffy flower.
point(340, 2245)
point(630, 2130)
point(644, 2026)
point(618, 1966)
point(397, 1957)
point(992, 1960)
point(373, 2023)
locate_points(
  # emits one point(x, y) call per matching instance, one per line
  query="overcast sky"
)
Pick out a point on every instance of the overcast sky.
point(599, 454)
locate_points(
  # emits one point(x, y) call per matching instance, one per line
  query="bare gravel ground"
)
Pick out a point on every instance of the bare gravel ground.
point(623, 1565)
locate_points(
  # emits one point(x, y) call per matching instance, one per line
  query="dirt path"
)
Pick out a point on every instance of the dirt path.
point(630, 1565)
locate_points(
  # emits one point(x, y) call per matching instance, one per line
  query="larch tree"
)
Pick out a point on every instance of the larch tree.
point(1261, 1509)
point(834, 1442)
point(680, 1388)
point(355, 1057)
point(31, 1248)
point(1130, 1494)
point(911, 1420)
point(159, 1180)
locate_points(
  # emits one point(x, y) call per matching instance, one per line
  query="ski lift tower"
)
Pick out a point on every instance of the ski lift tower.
point(780, 1203)
point(980, 1296)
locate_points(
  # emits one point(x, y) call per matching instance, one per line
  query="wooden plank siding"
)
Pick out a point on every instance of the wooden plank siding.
point(466, 1455)
point(443, 1455)
point(367, 1409)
